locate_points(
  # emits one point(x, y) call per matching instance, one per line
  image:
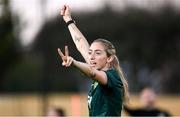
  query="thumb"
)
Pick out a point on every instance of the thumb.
point(63, 63)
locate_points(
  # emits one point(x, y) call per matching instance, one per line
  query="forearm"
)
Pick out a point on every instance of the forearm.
point(84, 68)
point(79, 40)
point(99, 76)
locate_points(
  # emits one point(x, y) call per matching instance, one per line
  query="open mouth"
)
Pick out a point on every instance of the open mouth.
point(93, 64)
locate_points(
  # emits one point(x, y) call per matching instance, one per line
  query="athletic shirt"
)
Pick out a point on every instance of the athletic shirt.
point(106, 100)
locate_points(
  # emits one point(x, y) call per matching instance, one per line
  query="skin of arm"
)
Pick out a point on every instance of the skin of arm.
point(99, 76)
point(78, 38)
point(67, 61)
point(83, 47)
point(80, 41)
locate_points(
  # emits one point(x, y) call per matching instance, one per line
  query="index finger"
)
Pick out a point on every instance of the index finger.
point(66, 51)
point(65, 7)
point(60, 53)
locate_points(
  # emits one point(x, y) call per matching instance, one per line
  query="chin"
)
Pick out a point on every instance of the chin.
point(97, 68)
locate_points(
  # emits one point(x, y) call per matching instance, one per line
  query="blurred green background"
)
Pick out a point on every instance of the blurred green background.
point(147, 43)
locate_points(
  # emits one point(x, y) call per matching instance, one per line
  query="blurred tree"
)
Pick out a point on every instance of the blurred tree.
point(55, 78)
point(19, 70)
point(8, 51)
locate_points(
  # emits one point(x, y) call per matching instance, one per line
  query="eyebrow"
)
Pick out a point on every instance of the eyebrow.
point(96, 50)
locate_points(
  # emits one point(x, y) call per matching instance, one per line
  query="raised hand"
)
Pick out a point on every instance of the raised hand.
point(66, 13)
point(67, 60)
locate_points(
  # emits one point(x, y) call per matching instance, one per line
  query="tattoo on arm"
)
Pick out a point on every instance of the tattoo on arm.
point(77, 35)
point(76, 39)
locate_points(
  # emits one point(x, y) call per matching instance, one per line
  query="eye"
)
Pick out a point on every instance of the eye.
point(98, 53)
point(89, 52)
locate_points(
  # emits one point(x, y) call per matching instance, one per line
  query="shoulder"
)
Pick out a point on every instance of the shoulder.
point(111, 73)
point(113, 78)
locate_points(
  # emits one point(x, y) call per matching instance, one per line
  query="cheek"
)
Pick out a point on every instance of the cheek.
point(102, 61)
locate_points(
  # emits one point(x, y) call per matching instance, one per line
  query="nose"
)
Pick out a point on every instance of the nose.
point(91, 56)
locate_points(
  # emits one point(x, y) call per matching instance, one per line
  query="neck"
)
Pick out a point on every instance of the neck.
point(107, 67)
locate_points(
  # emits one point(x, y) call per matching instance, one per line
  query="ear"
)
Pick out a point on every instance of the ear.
point(110, 59)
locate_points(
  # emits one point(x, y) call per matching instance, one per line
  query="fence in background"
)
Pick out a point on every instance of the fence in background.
point(73, 104)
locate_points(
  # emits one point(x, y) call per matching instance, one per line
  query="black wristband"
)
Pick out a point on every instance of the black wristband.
point(70, 22)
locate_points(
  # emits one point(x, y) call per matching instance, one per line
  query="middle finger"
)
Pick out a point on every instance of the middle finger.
point(66, 51)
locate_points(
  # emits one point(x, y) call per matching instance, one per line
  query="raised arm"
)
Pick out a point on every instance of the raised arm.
point(85, 68)
point(80, 41)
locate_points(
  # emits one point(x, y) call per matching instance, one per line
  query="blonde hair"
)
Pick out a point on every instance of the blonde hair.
point(111, 51)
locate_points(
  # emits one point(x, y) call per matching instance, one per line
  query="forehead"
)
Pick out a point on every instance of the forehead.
point(97, 46)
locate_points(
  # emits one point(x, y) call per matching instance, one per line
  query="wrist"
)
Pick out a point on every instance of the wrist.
point(70, 22)
point(67, 19)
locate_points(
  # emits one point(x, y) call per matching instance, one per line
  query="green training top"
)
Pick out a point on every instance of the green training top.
point(106, 100)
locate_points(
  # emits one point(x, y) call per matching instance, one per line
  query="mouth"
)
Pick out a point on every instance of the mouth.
point(93, 64)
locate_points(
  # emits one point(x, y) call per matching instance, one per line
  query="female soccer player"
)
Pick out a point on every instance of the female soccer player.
point(109, 88)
